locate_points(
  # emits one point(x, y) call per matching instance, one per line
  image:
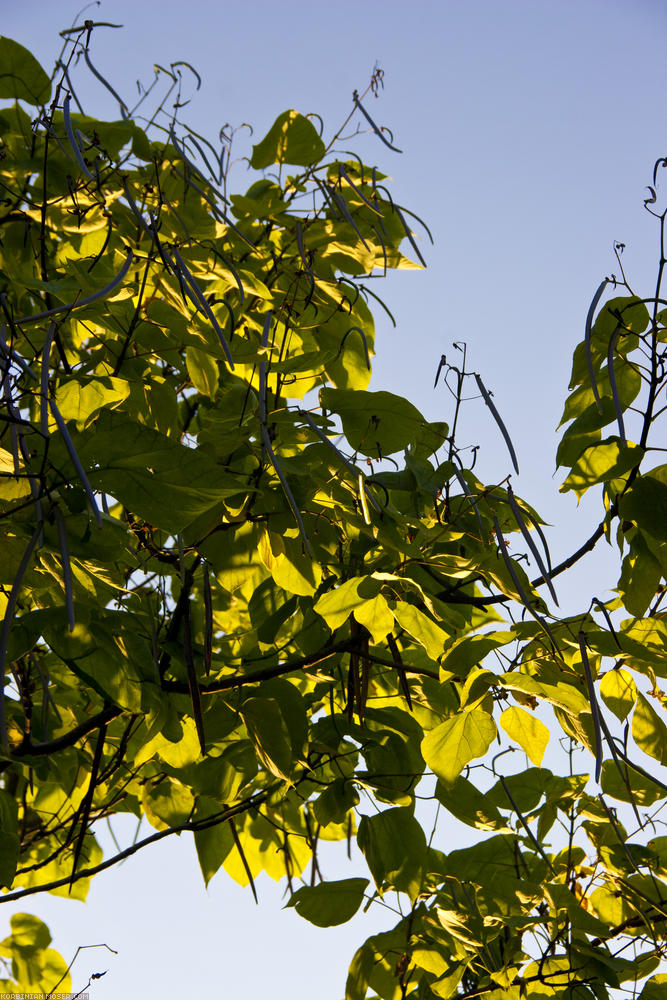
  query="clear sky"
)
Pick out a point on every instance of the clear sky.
point(529, 131)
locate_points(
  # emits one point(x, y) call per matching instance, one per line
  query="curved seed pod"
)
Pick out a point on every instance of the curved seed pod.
point(62, 427)
point(527, 603)
point(612, 382)
point(409, 235)
point(341, 205)
point(72, 140)
point(348, 465)
point(356, 329)
point(217, 211)
point(600, 606)
point(498, 420)
point(540, 534)
point(595, 708)
point(343, 173)
point(204, 305)
point(67, 568)
point(379, 301)
point(587, 342)
point(266, 441)
point(44, 382)
point(124, 110)
point(302, 252)
point(372, 124)
point(414, 216)
point(516, 510)
point(77, 304)
point(6, 623)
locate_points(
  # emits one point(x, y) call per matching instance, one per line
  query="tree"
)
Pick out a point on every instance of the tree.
point(248, 599)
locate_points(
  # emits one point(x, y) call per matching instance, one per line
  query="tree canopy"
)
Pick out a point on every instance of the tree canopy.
point(246, 598)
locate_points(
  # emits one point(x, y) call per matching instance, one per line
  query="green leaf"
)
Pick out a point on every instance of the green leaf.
point(422, 628)
point(394, 846)
point(601, 463)
point(203, 371)
point(375, 423)
point(526, 730)
point(268, 731)
point(291, 139)
point(81, 398)
point(21, 76)
point(469, 805)
point(329, 903)
point(213, 843)
point(632, 787)
point(619, 692)
point(167, 803)
point(655, 988)
point(457, 741)
point(648, 730)
point(645, 503)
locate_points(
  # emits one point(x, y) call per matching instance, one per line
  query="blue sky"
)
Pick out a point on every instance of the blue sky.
point(529, 132)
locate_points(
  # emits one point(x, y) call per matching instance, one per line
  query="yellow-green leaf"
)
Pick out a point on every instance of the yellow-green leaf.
point(203, 371)
point(526, 730)
point(649, 731)
point(457, 741)
point(619, 692)
point(291, 139)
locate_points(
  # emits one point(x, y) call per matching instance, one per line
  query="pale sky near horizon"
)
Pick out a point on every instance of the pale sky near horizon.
point(529, 132)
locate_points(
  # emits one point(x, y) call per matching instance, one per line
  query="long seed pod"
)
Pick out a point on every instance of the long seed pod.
point(208, 621)
point(44, 382)
point(244, 860)
point(348, 465)
point(356, 329)
point(78, 303)
point(540, 534)
point(612, 383)
point(62, 427)
point(6, 624)
point(400, 669)
point(67, 567)
point(285, 485)
point(527, 603)
point(124, 110)
point(587, 341)
point(498, 420)
point(300, 247)
point(72, 139)
point(408, 233)
point(595, 708)
point(516, 510)
point(343, 173)
point(372, 124)
point(193, 683)
point(87, 803)
point(622, 772)
point(204, 305)
point(600, 606)
point(341, 205)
